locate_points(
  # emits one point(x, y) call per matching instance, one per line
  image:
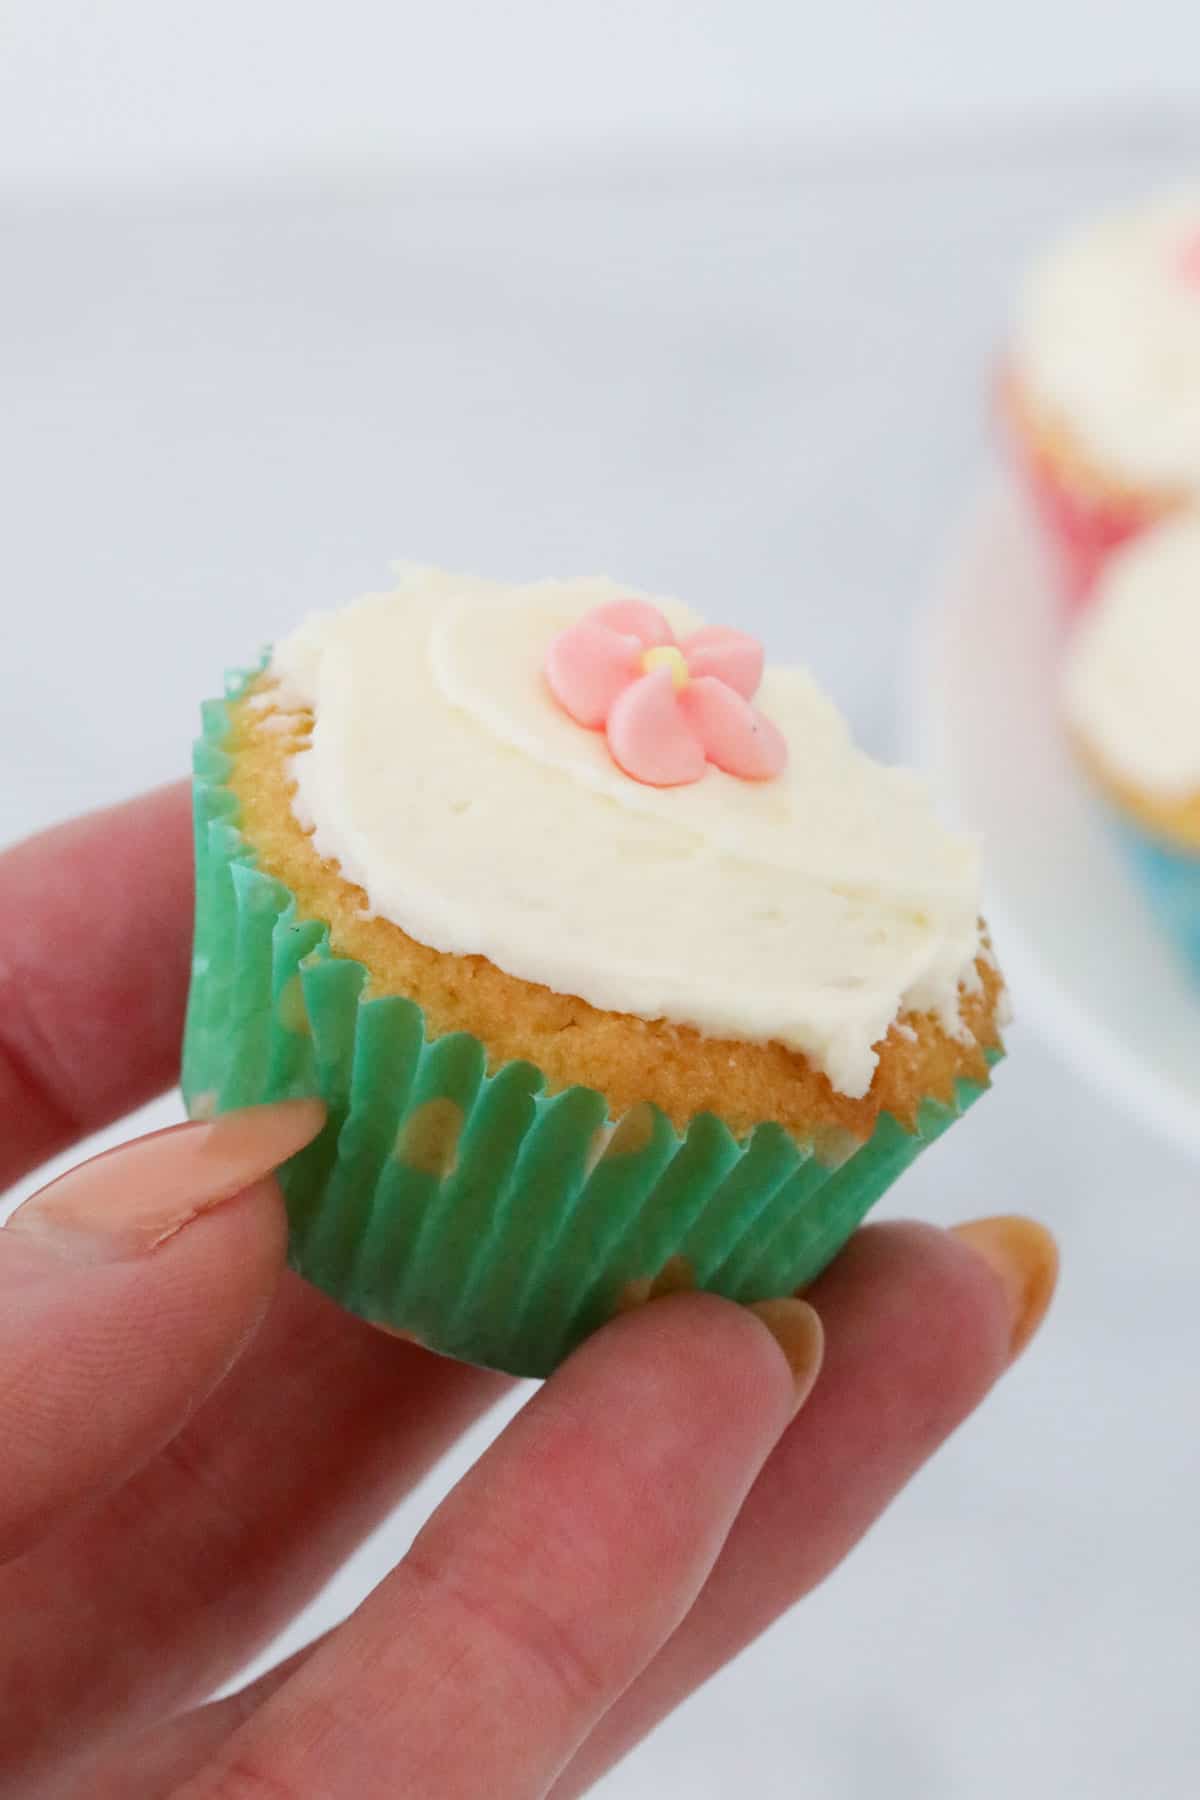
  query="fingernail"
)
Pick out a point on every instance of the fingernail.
point(131, 1199)
point(1024, 1256)
point(677, 1276)
point(799, 1333)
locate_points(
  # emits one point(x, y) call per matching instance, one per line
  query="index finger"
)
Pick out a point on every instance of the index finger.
point(550, 1576)
point(95, 932)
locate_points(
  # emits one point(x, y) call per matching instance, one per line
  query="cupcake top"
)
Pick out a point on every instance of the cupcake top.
point(601, 795)
point(1132, 684)
point(1107, 340)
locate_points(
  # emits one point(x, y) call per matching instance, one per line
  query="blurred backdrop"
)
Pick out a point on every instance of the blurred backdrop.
point(138, 88)
point(705, 295)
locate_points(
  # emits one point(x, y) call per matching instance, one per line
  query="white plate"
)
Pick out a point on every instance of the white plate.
point(1085, 962)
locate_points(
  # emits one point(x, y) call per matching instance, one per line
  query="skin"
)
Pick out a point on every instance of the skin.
point(168, 1500)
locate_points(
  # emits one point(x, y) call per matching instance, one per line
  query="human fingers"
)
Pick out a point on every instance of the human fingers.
point(919, 1324)
point(127, 1288)
point(164, 1590)
point(95, 919)
point(549, 1577)
point(152, 1765)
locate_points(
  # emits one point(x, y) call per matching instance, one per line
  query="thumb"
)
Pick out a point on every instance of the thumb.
point(127, 1288)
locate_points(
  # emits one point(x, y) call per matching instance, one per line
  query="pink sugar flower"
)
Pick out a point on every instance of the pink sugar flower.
point(667, 709)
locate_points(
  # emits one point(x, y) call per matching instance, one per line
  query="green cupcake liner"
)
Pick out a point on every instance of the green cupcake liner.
point(494, 1221)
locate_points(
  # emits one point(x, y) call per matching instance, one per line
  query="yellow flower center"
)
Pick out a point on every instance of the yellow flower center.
point(667, 656)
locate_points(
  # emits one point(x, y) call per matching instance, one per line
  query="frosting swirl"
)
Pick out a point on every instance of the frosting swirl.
point(1132, 681)
point(447, 782)
point(1107, 340)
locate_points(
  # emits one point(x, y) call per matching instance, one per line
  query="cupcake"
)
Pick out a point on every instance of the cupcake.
point(1101, 391)
point(1132, 696)
point(617, 965)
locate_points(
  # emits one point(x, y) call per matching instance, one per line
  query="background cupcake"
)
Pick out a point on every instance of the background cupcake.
point(613, 959)
point(1101, 392)
point(1133, 704)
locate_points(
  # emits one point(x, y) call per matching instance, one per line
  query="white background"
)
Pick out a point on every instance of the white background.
point(143, 87)
point(705, 294)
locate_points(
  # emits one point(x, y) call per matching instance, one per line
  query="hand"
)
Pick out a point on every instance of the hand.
point(194, 1440)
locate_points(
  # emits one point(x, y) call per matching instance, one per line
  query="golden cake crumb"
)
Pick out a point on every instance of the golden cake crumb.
point(626, 1059)
point(1174, 817)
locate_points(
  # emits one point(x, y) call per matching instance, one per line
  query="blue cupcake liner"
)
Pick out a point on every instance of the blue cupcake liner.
point(1169, 877)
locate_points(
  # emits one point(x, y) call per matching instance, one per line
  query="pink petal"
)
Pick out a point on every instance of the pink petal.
point(635, 618)
point(650, 736)
point(587, 666)
point(734, 657)
point(1189, 261)
point(735, 736)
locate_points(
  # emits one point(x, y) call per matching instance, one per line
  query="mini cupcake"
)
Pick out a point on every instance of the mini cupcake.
point(1132, 694)
point(1101, 392)
point(616, 964)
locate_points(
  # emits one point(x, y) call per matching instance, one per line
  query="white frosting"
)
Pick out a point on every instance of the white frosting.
point(1108, 340)
point(448, 783)
point(1132, 682)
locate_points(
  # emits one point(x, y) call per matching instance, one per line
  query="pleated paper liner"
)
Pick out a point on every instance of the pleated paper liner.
point(1169, 877)
point(1084, 518)
point(491, 1220)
